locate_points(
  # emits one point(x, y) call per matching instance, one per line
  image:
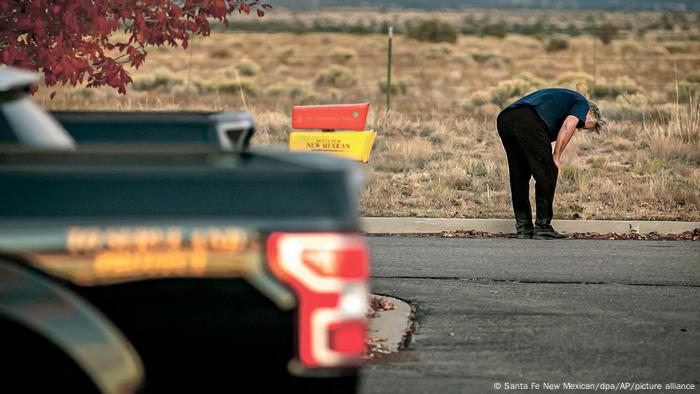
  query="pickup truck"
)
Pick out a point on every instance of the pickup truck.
point(179, 268)
point(229, 131)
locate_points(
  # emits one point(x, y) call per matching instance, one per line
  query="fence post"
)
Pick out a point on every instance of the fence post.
point(595, 61)
point(388, 70)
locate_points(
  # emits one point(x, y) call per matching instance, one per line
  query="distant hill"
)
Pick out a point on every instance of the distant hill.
point(628, 5)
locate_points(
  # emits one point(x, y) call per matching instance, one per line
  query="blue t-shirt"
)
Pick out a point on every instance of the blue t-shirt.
point(554, 105)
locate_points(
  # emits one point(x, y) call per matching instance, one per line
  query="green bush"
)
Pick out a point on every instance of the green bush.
point(342, 55)
point(482, 58)
point(291, 88)
point(569, 173)
point(557, 44)
point(579, 81)
point(693, 77)
point(686, 90)
point(275, 90)
point(497, 30)
point(337, 77)
point(533, 80)
point(161, 78)
point(623, 85)
point(606, 32)
point(436, 52)
point(676, 48)
point(510, 90)
point(222, 53)
point(433, 30)
point(248, 68)
point(299, 27)
point(183, 89)
point(400, 85)
point(627, 107)
point(359, 28)
point(248, 87)
point(479, 98)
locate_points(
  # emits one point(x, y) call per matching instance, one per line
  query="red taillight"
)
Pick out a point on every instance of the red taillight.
point(348, 337)
point(328, 272)
point(345, 264)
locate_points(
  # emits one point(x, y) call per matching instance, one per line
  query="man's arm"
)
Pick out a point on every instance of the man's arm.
point(565, 133)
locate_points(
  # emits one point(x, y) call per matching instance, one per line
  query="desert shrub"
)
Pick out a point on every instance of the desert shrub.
point(433, 30)
point(606, 32)
point(630, 107)
point(676, 48)
point(557, 44)
point(629, 48)
point(685, 91)
point(533, 80)
point(636, 99)
point(275, 90)
point(569, 173)
point(693, 77)
point(291, 88)
point(336, 76)
point(488, 59)
point(436, 51)
point(497, 30)
point(83, 93)
point(287, 52)
point(220, 53)
point(248, 68)
point(296, 88)
point(524, 42)
point(228, 87)
point(574, 76)
point(399, 85)
point(623, 85)
point(578, 81)
point(504, 93)
point(478, 98)
point(160, 78)
point(488, 111)
point(343, 55)
point(359, 28)
point(509, 90)
point(299, 27)
point(183, 89)
point(650, 49)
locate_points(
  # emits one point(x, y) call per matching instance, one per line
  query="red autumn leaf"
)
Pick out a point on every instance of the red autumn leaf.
point(74, 41)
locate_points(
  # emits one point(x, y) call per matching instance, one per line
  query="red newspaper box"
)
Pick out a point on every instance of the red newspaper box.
point(330, 117)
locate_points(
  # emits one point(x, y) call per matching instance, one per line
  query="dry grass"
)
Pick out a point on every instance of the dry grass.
point(437, 152)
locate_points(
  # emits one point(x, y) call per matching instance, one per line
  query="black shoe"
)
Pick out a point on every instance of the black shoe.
point(523, 234)
point(547, 232)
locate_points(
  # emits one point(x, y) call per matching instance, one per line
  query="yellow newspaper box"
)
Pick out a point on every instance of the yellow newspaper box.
point(356, 144)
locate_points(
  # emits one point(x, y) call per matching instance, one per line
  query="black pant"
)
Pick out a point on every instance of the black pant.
point(529, 150)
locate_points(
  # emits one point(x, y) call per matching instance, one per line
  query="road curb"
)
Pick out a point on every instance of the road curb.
point(381, 225)
point(391, 326)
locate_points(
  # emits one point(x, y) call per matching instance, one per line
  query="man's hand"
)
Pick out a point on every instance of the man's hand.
point(565, 133)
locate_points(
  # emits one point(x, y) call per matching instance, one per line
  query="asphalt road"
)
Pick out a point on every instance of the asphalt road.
point(517, 312)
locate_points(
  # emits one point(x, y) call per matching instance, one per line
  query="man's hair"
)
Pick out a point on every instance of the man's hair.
point(600, 121)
